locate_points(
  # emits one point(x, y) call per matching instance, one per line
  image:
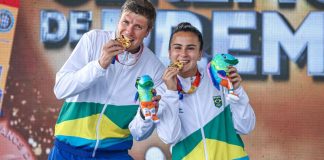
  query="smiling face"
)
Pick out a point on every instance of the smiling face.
point(185, 48)
point(134, 27)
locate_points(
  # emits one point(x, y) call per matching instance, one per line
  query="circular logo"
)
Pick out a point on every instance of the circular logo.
point(6, 20)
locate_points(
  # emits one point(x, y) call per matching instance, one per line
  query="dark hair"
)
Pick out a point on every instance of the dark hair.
point(142, 7)
point(187, 27)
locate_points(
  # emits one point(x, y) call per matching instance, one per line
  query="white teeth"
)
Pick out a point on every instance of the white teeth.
point(184, 62)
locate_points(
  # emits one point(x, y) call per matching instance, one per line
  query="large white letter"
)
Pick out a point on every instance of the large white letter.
point(53, 26)
point(310, 35)
point(224, 41)
point(79, 24)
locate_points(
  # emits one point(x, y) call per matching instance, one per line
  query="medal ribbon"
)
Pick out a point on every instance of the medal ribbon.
point(138, 55)
point(193, 88)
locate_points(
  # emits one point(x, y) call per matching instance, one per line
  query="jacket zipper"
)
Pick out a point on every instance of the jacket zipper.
point(102, 112)
point(201, 130)
point(97, 131)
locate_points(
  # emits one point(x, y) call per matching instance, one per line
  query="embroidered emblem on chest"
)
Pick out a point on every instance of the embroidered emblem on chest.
point(217, 101)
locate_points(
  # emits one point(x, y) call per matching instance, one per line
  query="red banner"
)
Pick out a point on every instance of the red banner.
point(12, 3)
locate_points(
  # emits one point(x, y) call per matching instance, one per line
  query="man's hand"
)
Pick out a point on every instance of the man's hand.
point(108, 51)
point(170, 78)
point(235, 78)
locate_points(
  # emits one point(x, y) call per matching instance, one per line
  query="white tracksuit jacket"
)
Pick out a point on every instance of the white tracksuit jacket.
point(99, 103)
point(204, 125)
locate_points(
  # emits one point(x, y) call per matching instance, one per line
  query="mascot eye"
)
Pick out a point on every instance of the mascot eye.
point(224, 56)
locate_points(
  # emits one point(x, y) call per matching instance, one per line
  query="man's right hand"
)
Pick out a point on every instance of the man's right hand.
point(170, 78)
point(108, 51)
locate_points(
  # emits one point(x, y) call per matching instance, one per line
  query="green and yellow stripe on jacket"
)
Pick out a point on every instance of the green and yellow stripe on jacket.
point(76, 125)
point(222, 141)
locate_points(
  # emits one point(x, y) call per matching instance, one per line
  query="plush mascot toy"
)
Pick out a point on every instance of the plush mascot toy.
point(144, 85)
point(218, 73)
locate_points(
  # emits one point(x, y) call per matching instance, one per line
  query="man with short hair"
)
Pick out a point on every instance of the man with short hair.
point(98, 85)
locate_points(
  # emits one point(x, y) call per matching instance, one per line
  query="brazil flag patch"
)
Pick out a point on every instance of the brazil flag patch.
point(217, 101)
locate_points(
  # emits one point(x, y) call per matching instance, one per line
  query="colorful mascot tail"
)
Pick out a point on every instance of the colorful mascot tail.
point(145, 93)
point(218, 73)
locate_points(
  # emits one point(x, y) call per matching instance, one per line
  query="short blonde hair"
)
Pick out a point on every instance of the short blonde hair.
point(142, 7)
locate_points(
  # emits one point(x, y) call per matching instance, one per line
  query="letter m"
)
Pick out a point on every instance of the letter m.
point(277, 35)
